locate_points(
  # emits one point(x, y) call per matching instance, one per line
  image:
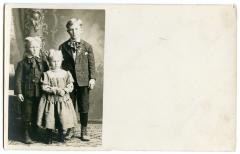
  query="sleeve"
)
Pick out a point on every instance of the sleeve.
point(46, 87)
point(45, 66)
point(18, 79)
point(69, 78)
point(64, 61)
point(91, 63)
point(69, 87)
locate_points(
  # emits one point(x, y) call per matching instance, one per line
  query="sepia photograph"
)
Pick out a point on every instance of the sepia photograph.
point(56, 77)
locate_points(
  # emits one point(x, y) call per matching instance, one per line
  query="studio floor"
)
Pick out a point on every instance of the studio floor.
point(94, 131)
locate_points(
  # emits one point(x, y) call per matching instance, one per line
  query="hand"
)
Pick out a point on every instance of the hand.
point(20, 97)
point(54, 90)
point(91, 83)
point(61, 92)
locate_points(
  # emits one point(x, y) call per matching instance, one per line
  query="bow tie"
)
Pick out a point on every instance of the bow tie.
point(32, 61)
point(75, 45)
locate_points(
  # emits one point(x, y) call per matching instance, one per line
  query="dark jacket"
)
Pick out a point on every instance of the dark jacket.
point(83, 68)
point(27, 77)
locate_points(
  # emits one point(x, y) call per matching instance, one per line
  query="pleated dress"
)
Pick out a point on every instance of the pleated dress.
point(56, 111)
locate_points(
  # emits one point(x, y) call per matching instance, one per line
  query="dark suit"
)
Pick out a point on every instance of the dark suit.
point(27, 77)
point(82, 70)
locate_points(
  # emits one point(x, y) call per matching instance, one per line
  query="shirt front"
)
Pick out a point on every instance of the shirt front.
point(75, 47)
point(74, 55)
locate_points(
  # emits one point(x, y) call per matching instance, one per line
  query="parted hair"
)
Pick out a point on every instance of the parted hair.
point(73, 21)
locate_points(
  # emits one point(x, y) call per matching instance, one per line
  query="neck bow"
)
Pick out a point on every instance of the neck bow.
point(75, 45)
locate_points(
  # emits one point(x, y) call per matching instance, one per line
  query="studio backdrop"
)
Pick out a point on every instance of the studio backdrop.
point(50, 25)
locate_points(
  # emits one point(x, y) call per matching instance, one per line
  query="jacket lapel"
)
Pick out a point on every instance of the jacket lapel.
point(68, 49)
point(82, 47)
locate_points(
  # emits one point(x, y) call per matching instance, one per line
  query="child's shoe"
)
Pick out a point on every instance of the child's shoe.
point(28, 139)
point(69, 134)
point(61, 136)
point(49, 136)
point(84, 134)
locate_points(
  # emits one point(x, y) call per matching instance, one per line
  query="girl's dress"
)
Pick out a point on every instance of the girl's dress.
point(56, 111)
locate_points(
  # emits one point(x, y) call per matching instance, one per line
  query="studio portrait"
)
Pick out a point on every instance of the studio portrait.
point(56, 77)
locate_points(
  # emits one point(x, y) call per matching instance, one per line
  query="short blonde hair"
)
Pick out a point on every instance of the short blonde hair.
point(32, 40)
point(52, 53)
point(73, 21)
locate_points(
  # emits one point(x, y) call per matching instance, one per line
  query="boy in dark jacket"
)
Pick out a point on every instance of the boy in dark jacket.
point(79, 60)
point(28, 73)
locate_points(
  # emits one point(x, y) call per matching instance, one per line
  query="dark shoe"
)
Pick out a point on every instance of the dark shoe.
point(61, 136)
point(34, 132)
point(49, 136)
point(49, 141)
point(84, 135)
point(61, 139)
point(69, 134)
point(28, 139)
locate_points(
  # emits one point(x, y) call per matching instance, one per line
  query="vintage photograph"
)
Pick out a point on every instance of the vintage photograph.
point(56, 77)
point(120, 77)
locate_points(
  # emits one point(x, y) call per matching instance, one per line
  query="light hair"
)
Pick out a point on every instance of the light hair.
point(73, 21)
point(32, 40)
point(52, 53)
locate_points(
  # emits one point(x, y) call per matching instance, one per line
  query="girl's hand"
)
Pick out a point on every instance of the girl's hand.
point(54, 90)
point(61, 92)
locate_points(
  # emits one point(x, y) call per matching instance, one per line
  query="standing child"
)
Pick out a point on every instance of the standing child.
point(27, 89)
point(56, 109)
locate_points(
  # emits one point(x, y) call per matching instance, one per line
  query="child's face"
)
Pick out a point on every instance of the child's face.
point(33, 49)
point(75, 31)
point(55, 63)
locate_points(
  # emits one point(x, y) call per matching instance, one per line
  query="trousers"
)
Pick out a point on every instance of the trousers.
point(80, 99)
point(29, 110)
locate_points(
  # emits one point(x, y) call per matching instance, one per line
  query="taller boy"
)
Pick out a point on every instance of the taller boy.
point(79, 60)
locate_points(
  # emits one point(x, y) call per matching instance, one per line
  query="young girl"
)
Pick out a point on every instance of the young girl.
point(56, 109)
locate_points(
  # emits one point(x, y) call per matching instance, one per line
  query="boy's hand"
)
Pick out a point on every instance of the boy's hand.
point(91, 83)
point(20, 97)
